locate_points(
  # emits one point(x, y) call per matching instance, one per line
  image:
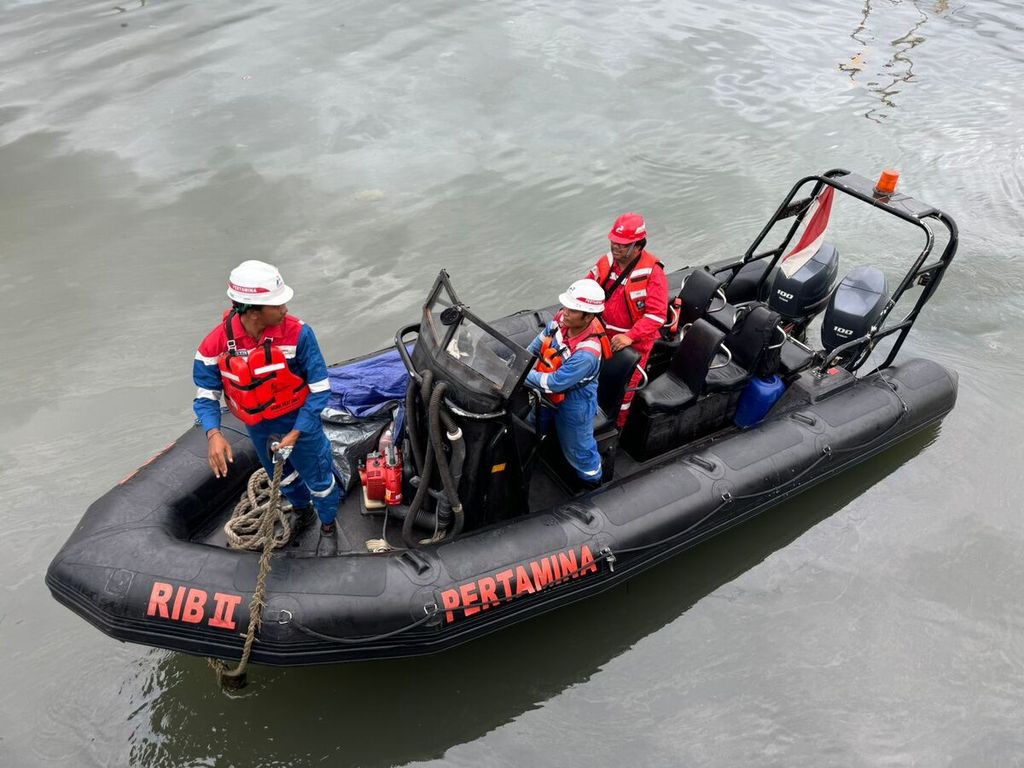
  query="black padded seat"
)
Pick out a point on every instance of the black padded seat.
point(728, 377)
point(724, 316)
point(794, 358)
point(699, 290)
point(666, 394)
point(687, 373)
point(676, 408)
point(701, 297)
point(661, 355)
point(754, 345)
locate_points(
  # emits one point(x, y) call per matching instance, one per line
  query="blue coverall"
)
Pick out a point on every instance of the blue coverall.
point(310, 463)
point(574, 417)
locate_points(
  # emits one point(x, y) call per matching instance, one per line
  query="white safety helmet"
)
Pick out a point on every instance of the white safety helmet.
point(585, 296)
point(258, 283)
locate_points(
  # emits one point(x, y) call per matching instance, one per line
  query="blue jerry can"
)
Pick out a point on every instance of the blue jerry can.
point(757, 399)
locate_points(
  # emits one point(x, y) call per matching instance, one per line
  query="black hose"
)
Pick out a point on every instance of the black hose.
point(434, 413)
point(411, 425)
point(426, 469)
point(417, 500)
point(458, 444)
point(458, 460)
point(425, 520)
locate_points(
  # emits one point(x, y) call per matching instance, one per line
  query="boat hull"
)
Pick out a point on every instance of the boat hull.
point(135, 568)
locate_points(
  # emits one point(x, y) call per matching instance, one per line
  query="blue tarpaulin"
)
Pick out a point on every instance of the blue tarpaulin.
point(365, 387)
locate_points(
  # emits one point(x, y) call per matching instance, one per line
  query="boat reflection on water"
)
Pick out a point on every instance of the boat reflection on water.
point(390, 712)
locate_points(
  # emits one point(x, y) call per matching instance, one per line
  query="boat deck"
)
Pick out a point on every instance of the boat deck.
point(356, 527)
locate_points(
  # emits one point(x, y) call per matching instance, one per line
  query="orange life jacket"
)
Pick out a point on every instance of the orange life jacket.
point(260, 385)
point(552, 353)
point(635, 283)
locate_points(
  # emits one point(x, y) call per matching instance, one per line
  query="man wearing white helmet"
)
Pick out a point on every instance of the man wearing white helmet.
point(269, 367)
point(570, 350)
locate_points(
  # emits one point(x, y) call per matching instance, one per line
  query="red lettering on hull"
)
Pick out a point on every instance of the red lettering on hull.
point(472, 597)
point(189, 605)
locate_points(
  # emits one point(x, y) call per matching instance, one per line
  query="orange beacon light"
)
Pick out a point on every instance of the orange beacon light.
point(887, 182)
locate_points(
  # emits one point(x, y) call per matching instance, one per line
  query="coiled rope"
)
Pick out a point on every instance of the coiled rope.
point(257, 522)
point(246, 529)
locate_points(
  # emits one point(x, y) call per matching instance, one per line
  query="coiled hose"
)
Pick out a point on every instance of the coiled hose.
point(450, 488)
point(411, 426)
point(426, 467)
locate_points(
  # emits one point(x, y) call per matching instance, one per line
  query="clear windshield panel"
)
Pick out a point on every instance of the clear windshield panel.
point(439, 304)
point(472, 345)
point(475, 348)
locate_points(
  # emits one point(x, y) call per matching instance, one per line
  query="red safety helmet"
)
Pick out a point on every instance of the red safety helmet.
point(628, 228)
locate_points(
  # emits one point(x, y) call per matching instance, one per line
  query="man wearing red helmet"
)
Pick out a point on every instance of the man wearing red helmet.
point(636, 291)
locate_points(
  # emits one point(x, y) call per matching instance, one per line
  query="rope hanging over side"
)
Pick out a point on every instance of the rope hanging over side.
point(269, 520)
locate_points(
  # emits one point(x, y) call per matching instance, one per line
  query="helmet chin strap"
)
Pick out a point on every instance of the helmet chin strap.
point(629, 252)
point(232, 346)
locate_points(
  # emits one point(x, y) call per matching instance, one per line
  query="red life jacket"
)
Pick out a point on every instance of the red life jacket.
point(553, 353)
point(635, 283)
point(259, 385)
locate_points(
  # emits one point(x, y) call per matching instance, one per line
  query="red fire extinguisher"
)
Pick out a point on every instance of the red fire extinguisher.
point(392, 476)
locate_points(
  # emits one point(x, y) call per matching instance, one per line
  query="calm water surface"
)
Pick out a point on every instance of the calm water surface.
point(147, 147)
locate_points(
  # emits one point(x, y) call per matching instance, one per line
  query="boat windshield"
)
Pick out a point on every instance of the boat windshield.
point(470, 341)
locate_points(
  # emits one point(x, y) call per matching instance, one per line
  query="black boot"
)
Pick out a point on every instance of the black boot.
point(327, 546)
point(301, 520)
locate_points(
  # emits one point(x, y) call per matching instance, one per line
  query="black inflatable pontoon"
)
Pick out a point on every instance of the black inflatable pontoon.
point(495, 532)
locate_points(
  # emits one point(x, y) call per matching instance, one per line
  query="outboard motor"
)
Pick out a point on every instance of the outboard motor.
point(854, 309)
point(799, 297)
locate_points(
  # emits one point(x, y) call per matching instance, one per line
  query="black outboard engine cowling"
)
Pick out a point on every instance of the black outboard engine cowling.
point(855, 307)
point(801, 295)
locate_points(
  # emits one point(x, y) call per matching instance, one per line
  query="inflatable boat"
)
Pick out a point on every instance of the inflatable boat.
point(759, 388)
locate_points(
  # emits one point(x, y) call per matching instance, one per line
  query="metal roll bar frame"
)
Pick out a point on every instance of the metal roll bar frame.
point(922, 272)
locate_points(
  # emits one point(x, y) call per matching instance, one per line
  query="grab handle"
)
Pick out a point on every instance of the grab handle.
point(400, 335)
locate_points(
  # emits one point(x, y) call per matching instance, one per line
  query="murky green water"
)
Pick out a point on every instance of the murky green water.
point(148, 147)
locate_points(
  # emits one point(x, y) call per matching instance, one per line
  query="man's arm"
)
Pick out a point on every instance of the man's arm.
point(538, 340)
point(578, 367)
point(206, 377)
point(206, 406)
point(310, 364)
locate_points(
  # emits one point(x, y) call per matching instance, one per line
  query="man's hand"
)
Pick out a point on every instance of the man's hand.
point(288, 441)
point(621, 341)
point(218, 453)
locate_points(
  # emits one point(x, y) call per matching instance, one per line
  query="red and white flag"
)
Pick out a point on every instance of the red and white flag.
point(814, 233)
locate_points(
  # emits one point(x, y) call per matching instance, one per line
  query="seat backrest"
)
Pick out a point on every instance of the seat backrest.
point(696, 351)
point(614, 379)
point(699, 289)
point(753, 338)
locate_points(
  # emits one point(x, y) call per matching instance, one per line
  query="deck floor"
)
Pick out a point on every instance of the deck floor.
point(356, 527)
